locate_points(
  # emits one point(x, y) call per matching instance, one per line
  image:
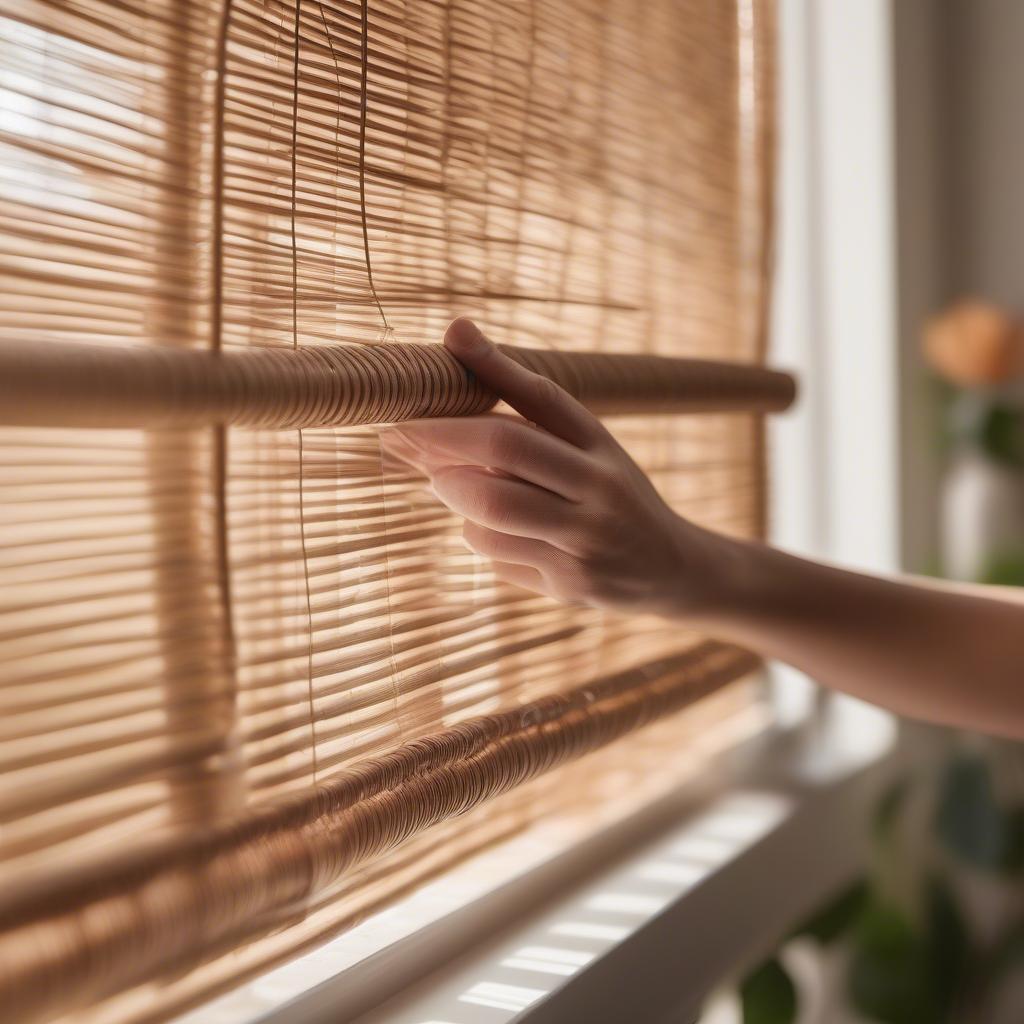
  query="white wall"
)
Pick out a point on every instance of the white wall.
point(836, 460)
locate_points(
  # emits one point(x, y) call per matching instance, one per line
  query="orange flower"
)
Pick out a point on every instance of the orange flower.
point(974, 343)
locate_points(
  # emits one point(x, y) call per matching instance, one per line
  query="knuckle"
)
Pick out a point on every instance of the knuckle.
point(604, 480)
point(491, 508)
point(612, 485)
point(586, 542)
point(592, 536)
point(601, 527)
point(547, 391)
point(505, 445)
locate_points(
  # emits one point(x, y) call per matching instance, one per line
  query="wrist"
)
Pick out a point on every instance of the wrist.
point(715, 578)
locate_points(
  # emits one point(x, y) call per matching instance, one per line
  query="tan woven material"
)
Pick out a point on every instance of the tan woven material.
point(252, 685)
point(52, 384)
point(282, 855)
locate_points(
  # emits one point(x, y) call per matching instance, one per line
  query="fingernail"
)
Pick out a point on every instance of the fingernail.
point(464, 336)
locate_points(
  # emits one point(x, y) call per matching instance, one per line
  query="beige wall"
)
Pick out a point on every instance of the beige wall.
point(959, 84)
point(982, 61)
point(922, 216)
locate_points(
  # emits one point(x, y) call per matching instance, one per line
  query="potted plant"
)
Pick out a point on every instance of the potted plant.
point(978, 350)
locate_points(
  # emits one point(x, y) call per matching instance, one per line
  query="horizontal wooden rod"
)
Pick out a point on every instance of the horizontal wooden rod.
point(65, 384)
point(180, 899)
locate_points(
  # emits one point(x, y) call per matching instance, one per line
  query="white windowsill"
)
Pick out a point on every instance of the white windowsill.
point(673, 918)
point(663, 906)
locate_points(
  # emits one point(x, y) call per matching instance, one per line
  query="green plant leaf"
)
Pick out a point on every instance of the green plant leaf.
point(1001, 436)
point(1005, 958)
point(838, 917)
point(888, 809)
point(768, 995)
point(947, 944)
point(887, 979)
point(994, 428)
point(903, 975)
point(1013, 860)
point(1004, 569)
point(971, 823)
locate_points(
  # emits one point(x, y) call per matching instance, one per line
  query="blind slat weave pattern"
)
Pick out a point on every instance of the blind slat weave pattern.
point(252, 685)
point(90, 385)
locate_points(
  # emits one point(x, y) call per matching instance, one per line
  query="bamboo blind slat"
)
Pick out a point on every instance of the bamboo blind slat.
point(49, 383)
point(249, 676)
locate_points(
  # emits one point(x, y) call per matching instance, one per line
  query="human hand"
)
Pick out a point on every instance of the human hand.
point(552, 499)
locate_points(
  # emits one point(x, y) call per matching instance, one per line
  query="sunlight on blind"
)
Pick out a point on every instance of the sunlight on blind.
point(251, 676)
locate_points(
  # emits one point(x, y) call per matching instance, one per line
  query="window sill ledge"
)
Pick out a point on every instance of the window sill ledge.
point(716, 880)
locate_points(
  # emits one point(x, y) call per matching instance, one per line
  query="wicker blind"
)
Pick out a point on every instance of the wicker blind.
point(249, 677)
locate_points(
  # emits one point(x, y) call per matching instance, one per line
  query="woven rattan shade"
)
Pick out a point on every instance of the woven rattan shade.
point(249, 675)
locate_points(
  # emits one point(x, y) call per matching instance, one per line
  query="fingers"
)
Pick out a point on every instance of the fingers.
point(556, 571)
point(421, 459)
point(499, 442)
point(535, 397)
point(524, 576)
point(503, 504)
point(503, 547)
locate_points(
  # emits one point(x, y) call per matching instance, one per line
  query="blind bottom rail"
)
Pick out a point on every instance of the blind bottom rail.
point(67, 945)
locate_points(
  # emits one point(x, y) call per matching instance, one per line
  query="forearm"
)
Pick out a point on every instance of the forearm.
point(947, 657)
point(560, 509)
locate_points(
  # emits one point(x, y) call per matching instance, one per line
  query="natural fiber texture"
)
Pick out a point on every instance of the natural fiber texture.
point(283, 855)
point(249, 676)
point(52, 384)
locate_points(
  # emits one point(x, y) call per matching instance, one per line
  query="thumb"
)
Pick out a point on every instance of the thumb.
point(533, 396)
